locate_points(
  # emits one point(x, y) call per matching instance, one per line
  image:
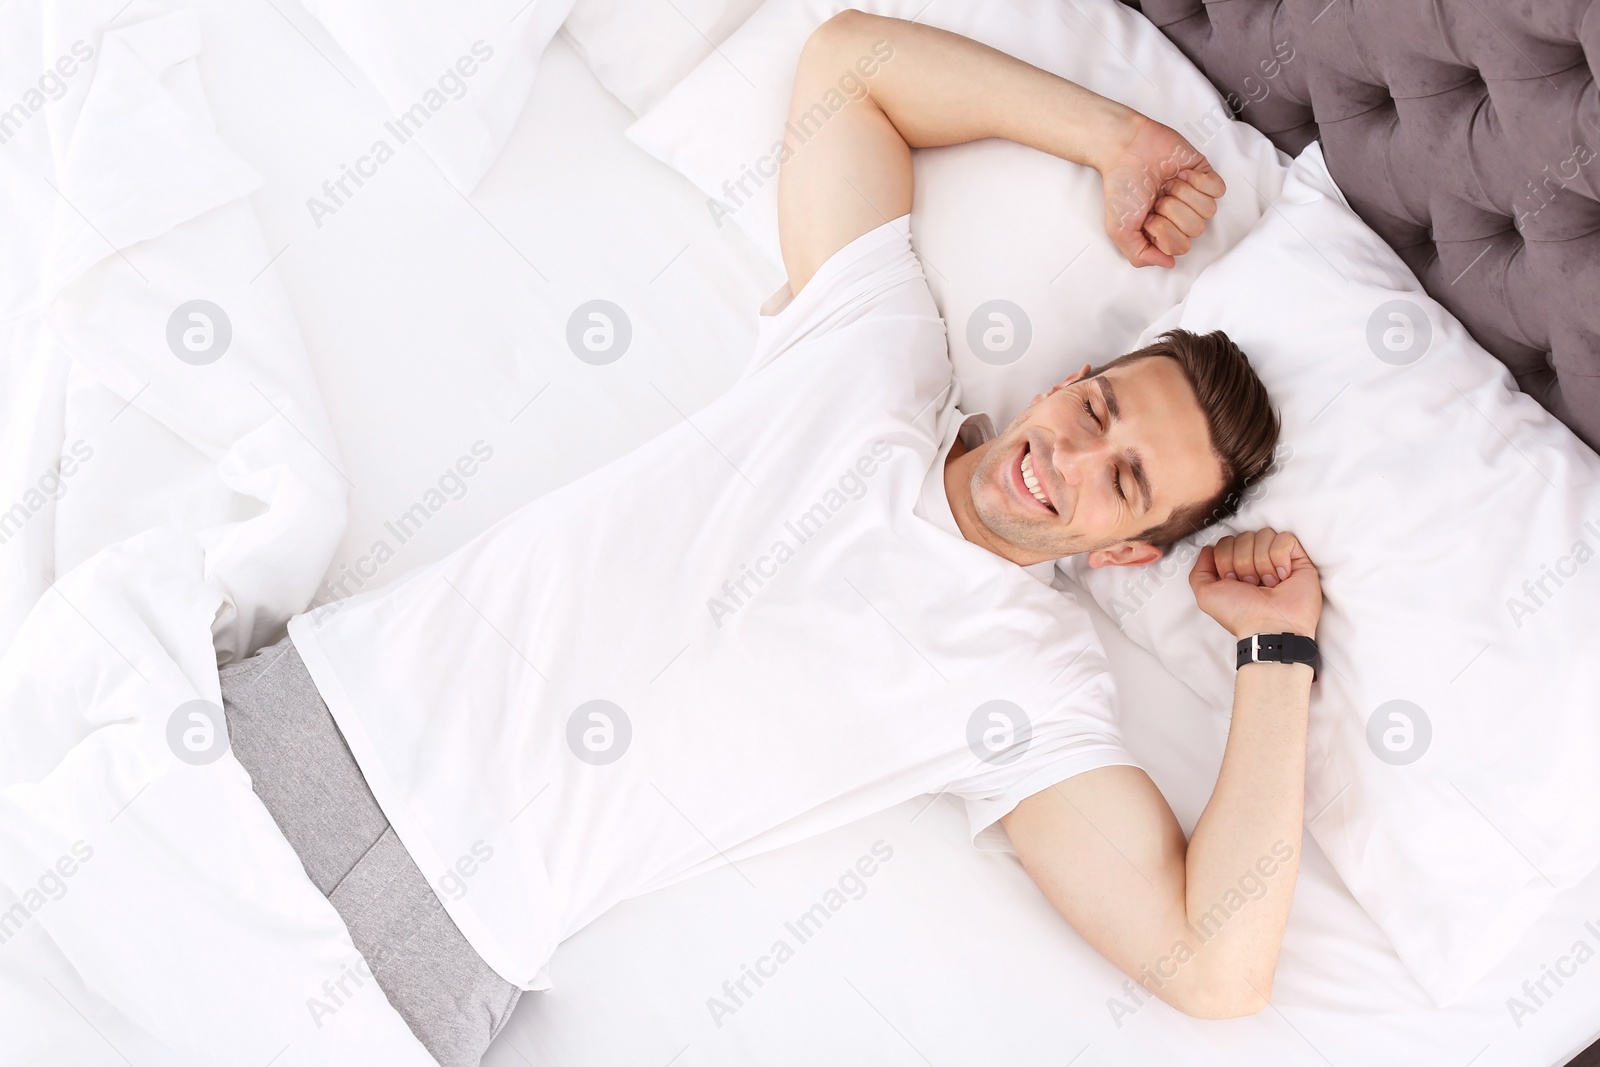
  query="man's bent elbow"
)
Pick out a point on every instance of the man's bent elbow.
point(1218, 997)
point(841, 33)
point(846, 23)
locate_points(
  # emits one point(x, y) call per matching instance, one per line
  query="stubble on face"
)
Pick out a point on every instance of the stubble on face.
point(1040, 533)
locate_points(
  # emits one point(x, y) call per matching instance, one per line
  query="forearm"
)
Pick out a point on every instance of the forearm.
point(939, 88)
point(1244, 854)
point(1198, 925)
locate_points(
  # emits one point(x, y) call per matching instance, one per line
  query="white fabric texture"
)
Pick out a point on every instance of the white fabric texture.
point(1013, 240)
point(190, 500)
point(1455, 523)
point(428, 332)
point(640, 49)
point(744, 633)
point(453, 75)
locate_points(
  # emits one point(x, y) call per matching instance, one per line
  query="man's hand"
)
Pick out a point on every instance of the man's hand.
point(1258, 582)
point(1159, 193)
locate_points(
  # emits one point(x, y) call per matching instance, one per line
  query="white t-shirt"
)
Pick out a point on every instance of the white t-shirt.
point(760, 625)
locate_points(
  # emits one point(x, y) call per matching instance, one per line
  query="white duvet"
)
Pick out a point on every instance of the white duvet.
point(170, 493)
point(163, 918)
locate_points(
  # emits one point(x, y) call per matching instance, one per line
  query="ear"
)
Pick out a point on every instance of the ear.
point(1126, 554)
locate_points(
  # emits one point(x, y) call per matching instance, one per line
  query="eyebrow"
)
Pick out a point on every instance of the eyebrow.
point(1130, 456)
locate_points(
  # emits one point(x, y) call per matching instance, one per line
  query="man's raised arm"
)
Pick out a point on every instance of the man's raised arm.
point(1198, 925)
point(904, 86)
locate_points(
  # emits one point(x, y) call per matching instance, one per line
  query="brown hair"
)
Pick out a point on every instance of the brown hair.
point(1239, 416)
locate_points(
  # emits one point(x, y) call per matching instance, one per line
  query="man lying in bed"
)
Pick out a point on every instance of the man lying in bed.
point(822, 595)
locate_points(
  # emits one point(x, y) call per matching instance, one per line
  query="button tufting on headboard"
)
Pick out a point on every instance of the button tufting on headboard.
point(1467, 135)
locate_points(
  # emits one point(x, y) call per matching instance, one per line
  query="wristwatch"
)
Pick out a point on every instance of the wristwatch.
point(1279, 648)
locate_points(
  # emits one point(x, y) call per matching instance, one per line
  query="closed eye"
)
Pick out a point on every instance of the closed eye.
point(1116, 472)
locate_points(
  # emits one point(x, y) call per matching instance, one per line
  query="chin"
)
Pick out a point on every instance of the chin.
point(1024, 534)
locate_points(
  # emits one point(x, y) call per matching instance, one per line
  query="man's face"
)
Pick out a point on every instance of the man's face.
point(1108, 458)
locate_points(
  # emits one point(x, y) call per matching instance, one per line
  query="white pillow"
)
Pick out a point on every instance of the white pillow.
point(454, 75)
point(1455, 728)
point(640, 49)
point(993, 221)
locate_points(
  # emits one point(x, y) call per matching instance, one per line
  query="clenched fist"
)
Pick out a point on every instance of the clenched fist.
point(1160, 192)
point(1258, 582)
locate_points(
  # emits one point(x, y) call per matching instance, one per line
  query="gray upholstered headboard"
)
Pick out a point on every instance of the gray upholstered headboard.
point(1465, 132)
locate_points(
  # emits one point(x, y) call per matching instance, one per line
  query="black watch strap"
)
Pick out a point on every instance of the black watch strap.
point(1280, 648)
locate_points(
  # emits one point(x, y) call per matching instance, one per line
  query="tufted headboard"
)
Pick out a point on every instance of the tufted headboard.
point(1465, 132)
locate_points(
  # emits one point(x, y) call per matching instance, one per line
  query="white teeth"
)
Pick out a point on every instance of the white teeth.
point(1031, 482)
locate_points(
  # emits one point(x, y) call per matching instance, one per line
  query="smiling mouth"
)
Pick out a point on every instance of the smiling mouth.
point(1031, 481)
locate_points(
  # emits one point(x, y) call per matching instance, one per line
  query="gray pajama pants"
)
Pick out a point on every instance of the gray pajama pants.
point(283, 734)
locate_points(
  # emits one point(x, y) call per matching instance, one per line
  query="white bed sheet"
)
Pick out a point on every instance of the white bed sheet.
point(434, 323)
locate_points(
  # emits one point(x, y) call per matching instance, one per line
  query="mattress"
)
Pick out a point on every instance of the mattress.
point(436, 322)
